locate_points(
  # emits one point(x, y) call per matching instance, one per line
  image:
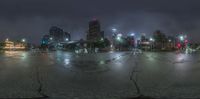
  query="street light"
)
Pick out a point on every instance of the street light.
point(51, 38)
point(151, 39)
point(181, 38)
point(66, 39)
point(118, 38)
point(102, 39)
point(152, 43)
point(23, 40)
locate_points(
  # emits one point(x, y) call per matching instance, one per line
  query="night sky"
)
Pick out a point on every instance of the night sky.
point(32, 18)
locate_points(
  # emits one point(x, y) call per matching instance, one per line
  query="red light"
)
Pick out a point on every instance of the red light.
point(179, 45)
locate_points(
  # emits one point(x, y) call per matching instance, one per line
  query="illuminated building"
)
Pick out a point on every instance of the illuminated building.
point(58, 35)
point(94, 32)
point(131, 41)
point(9, 45)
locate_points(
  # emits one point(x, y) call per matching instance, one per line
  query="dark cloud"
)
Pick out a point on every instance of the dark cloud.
point(32, 18)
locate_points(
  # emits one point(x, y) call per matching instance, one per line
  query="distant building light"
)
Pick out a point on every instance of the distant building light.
point(185, 36)
point(132, 34)
point(119, 35)
point(43, 42)
point(145, 43)
point(114, 29)
point(186, 41)
point(143, 34)
point(66, 39)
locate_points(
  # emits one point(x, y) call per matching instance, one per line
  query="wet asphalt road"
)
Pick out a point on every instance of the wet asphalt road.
point(67, 75)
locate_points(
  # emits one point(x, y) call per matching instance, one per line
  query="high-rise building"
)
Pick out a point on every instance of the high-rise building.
point(94, 32)
point(58, 35)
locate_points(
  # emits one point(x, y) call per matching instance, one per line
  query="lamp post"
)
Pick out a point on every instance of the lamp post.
point(23, 40)
point(114, 31)
point(119, 40)
point(183, 41)
point(152, 42)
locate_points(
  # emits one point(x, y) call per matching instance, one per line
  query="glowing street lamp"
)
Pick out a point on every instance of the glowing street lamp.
point(23, 40)
point(118, 38)
point(102, 39)
point(51, 38)
point(181, 38)
point(151, 39)
point(66, 39)
point(152, 43)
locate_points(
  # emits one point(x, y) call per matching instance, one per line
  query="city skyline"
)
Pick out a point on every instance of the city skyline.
point(32, 19)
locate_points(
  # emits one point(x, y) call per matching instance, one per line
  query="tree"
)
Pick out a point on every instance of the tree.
point(2, 45)
point(106, 42)
point(102, 43)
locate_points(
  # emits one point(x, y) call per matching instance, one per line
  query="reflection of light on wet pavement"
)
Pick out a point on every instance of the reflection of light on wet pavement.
point(24, 56)
point(111, 52)
point(182, 65)
point(16, 54)
point(118, 64)
point(118, 57)
point(10, 53)
point(102, 62)
point(181, 58)
point(152, 57)
point(67, 61)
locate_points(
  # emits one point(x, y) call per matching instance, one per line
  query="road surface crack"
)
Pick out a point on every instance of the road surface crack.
point(40, 87)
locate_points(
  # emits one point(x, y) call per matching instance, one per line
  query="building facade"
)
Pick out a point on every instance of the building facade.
point(94, 33)
point(11, 45)
point(58, 35)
